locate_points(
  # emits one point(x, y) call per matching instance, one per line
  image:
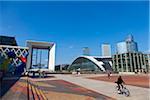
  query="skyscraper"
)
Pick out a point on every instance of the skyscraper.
point(106, 49)
point(129, 45)
point(86, 51)
point(128, 59)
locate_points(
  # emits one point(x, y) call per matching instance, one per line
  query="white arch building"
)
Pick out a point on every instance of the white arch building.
point(91, 63)
point(50, 47)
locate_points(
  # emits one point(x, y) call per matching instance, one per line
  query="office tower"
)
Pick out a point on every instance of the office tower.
point(106, 49)
point(86, 51)
point(129, 45)
point(128, 58)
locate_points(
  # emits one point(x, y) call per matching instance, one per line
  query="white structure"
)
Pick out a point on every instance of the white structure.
point(91, 63)
point(106, 50)
point(41, 46)
point(98, 63)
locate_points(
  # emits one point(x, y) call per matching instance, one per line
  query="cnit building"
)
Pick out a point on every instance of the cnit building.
point(128, 58)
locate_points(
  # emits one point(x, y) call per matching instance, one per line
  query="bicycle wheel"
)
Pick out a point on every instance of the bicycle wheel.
point(127, 92)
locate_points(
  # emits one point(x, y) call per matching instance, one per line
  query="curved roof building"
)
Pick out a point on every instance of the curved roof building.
point(91, 63)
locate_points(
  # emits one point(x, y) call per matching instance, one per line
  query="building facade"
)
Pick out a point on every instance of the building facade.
point(128, 58)
point(48, 49)
point(148, 60)
point(129, 45)
point(91, 64)
point(130, 62)
point(106, 50)
point(7, 40)
point(61, 67)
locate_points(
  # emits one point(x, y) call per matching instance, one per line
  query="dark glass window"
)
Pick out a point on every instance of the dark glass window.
point(84, 64)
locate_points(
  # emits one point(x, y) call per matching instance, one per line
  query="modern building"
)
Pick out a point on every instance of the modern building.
point(148, 60)
point(129, 45)
point(106, 49)
point(61, 67)
point(130, 62)
point(91, 64)
point(40, 55)
point(128, 59)
point(39, 51)
point(7, 40)
point(86, 51)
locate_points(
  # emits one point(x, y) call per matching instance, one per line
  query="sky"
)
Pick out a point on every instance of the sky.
point(73, 25)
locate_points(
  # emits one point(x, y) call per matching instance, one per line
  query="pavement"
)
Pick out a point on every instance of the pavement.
point(134, 80)
point(58, 89)
point(13, 88)
point(107, 88)
point(68, 87)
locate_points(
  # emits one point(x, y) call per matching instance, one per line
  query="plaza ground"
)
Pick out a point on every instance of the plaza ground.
point(134, 80)
point(74, 87)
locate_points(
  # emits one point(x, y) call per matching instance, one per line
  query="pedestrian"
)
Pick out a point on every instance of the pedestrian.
point(108, 73)
point(78, 71)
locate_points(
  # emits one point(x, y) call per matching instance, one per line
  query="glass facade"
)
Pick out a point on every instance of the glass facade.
point(132, 46)
point(121, 47)
point(39, 58)
point(125, 47)
point(84, 64)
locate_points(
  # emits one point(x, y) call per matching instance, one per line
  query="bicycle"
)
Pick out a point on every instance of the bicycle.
point(123, 90)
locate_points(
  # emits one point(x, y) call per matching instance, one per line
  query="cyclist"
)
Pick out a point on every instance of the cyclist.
point(119, 82)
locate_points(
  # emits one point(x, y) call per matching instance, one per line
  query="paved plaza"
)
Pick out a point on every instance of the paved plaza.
point(72, 87)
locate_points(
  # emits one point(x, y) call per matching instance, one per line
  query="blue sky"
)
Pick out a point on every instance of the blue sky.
point(74, 25)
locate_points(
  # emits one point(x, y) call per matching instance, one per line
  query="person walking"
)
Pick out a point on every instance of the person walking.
point(108, 74)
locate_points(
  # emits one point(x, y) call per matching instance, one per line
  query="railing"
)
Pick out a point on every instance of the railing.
point(19, 51)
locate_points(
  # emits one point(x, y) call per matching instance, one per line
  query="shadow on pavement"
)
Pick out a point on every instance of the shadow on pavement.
point(37, 76)
point(7, 82)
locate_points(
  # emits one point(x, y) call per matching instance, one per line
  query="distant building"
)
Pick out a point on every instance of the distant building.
point(7, 40)
point(128, 59)
point(106, 50)
point(129, 45)
point(86, 51)
point(61, 67)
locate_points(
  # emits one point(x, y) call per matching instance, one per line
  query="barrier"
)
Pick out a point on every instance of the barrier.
point(13, 58)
